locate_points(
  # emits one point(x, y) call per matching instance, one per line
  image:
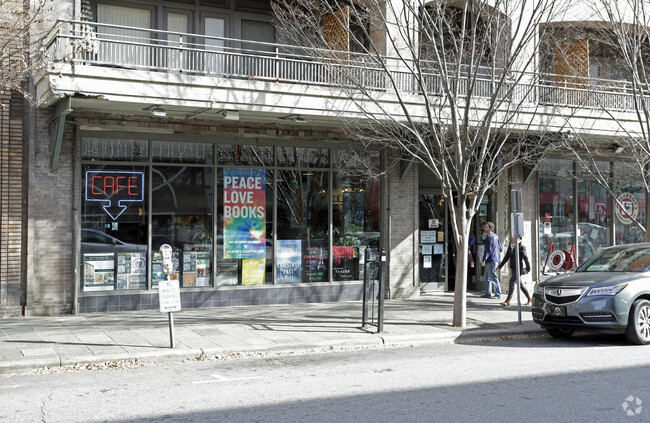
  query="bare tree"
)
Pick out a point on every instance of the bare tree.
point(624, 31)
point(442, 84)
point(20, 49)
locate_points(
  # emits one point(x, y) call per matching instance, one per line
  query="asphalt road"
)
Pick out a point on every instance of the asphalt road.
point(584, 379)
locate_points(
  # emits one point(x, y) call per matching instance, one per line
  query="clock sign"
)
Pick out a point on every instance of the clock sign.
point(114, 189)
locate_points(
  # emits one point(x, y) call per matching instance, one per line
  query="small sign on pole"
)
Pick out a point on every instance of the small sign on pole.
point(169, 296)
point(169, 291)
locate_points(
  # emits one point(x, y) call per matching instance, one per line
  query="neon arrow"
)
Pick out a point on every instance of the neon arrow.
point(114, 188)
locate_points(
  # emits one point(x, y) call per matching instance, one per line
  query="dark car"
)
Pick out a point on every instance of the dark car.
point(610, 292)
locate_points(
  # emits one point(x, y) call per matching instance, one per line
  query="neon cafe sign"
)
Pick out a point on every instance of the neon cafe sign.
point(115, 189)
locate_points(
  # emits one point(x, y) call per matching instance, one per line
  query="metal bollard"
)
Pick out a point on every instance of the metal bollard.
point(382, 292)
point(366, 287)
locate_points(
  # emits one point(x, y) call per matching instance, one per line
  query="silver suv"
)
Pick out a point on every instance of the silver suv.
point(610, 292)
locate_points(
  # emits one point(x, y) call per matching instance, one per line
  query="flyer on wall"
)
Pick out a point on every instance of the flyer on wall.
point(244, 213)
point(343, 267)
point(203, 268)
point(253, 271)
point(288, 262)
point(99, 272)
point(315, 260)
point(227, 270)
point(131, 271)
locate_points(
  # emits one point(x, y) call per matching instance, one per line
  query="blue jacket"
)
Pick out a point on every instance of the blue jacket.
point(493, 249)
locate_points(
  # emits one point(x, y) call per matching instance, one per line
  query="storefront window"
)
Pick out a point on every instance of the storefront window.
point(303, 157)
point(355, 209)
point(183, 152)
point(594, 217)
point(245, 155)
point(303, 239)
point(182, 217)
point(113, 149)
point(629, 207)
point(328, 212)
point(244, 230)
point(114, 228)
point(556, 211)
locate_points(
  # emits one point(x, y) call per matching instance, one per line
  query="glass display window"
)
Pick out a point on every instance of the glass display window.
point(556, 211)
point(113, 228)
point(182, 152)
point(629, 212)
point(326, 216)
point(244, 155)
point(303, 157)
point(114, 149)
point(594, 217)
point(182, 210)
point(244, 237)
point(302, 226)
point(356, 222)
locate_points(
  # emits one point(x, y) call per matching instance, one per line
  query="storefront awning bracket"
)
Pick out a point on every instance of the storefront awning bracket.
point(61, 109)
point(528, 172)
point(404, 166)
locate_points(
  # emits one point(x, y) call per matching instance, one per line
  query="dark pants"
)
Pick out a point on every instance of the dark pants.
point(511, 287)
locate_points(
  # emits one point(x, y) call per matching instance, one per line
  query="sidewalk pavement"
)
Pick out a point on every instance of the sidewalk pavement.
point(37, 342)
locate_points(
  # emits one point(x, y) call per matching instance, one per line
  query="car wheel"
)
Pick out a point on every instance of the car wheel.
point(638, 325)
point(560, 332)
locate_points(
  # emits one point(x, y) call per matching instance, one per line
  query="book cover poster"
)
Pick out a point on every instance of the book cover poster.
point(203, 268)
point(227, 270)
point(288, 261)
point(253, 271)
point(244, 213)
point(343, 266)
point(315, 260)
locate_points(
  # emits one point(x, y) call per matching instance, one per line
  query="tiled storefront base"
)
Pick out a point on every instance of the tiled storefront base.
point(226, 297)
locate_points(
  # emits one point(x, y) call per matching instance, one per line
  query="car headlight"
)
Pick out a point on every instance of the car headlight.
point(538, 289)
point(607, 290)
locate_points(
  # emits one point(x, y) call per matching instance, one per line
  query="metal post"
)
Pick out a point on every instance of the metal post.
point(518, 270)
point(172, 342)
point(382, 292)
point(366, 282)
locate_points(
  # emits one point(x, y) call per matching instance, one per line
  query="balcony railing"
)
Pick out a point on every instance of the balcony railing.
point(115, 46)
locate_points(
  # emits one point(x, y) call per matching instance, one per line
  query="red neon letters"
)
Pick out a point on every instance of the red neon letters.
point(102, 185)
point(109, 185)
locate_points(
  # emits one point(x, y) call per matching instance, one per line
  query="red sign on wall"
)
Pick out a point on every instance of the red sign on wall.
point(115, 189)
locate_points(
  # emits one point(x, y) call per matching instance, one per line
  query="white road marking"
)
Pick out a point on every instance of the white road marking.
point(219, 378)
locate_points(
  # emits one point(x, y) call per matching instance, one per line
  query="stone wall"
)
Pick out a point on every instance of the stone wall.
point(401, 197)
point(50, 282)
point(11, 203)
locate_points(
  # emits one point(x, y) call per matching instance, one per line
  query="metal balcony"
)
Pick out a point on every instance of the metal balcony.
point(111, 46)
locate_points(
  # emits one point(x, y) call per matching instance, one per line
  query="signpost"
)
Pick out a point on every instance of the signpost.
point(517, 229)
point(169, 291)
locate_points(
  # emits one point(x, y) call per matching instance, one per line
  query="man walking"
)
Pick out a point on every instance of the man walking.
point(491, 259)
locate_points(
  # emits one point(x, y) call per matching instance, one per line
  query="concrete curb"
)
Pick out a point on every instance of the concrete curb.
point(183, 354)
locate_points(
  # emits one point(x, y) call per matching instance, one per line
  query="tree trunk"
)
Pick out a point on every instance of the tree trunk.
point(462, 247)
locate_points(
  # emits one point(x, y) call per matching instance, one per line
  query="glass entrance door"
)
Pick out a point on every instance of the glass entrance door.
point(432, 243)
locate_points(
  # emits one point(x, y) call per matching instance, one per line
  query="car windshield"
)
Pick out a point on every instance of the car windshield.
point(629, 259)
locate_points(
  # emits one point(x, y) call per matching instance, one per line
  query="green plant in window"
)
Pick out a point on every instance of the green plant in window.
point(202, 235)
